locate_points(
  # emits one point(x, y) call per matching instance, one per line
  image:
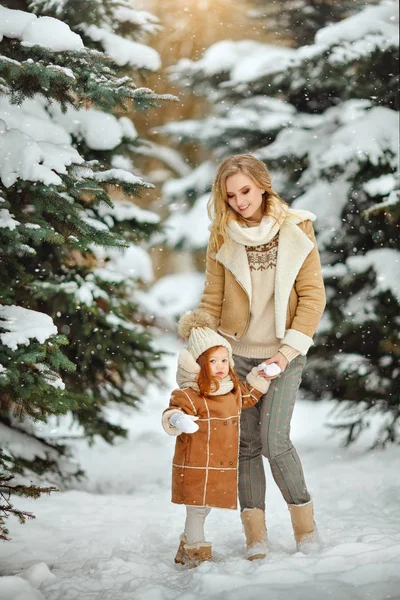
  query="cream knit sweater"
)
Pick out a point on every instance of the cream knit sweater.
point(261, 242)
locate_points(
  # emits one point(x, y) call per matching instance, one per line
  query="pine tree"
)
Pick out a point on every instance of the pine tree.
point(297, 21)
point(73, 336)
point(324, 118)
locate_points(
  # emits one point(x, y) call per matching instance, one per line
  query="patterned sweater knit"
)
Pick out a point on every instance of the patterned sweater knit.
point(260, 339)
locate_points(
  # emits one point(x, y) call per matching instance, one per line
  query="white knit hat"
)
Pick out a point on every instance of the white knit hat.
point(195, 327)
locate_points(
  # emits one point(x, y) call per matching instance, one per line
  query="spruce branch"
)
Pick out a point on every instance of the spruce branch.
point(7, 508)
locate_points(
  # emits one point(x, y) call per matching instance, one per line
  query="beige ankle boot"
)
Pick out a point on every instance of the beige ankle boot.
point(304, 527)
point(253, 520)
point(181, 554)
point(191, 555)
point(198, 553)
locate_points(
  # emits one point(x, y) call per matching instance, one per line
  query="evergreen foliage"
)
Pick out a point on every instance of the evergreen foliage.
point(299, 20)
point(324, 118)
point(73, 336)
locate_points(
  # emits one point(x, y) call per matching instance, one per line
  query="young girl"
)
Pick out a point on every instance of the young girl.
point(204, 413)
point(265, 293)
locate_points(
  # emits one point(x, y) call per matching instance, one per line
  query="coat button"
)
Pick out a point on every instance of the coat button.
point(225, 423)
point(230, 462)
point(221, 462)
point(235, 334)
point(233, 422)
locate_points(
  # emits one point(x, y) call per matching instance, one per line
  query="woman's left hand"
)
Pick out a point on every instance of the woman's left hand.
point(279, 360)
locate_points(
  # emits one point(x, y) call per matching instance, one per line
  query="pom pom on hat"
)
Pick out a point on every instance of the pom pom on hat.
point(197, 328)
point(194, 318)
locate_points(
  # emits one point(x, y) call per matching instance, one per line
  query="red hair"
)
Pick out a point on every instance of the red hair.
point(207, 382)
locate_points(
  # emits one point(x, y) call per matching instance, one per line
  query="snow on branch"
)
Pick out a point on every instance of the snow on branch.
point(131, 264)
point(366, 137)
point(191, 228)
point(120, 175)
point(50, 377)
point(199, 179)
point(170, 157)
point(7, 220)
point(381, 186)
point(123, 210)
point(373, 20)
point(357, 133)
point(123, 51)
point(21, 325)
point(32, 118)
point(148, 22)
point(243, 61)
point(43, 31)
point(248, 61)
point(21, 157)
point(391, 201)
point(386, 264)
point(101, 131)
point(85, 291)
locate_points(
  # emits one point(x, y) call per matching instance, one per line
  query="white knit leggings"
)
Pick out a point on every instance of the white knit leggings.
point(194, 524)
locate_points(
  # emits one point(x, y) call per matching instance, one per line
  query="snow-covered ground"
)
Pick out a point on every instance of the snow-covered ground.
point(115, 538)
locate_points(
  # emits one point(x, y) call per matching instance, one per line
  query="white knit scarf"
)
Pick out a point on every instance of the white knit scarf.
point(188, 370)
point(262, 233)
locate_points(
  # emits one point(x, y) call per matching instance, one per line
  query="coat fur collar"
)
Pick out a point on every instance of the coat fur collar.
point(293, 248)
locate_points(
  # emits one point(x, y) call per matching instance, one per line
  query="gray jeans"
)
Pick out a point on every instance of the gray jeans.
point(265, 431)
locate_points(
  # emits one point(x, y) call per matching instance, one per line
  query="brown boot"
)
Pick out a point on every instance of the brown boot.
point(181, 554)
point(256, 533)
point(191, 555)
point(304, 527)
point(198, 553)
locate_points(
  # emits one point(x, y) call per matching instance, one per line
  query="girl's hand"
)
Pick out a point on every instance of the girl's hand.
point(183, 422)
point(279, 360)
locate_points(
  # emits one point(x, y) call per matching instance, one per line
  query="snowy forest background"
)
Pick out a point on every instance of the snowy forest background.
point(114, 116)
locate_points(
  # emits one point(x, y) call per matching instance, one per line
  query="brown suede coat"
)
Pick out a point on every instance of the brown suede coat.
point(299, 295)
point(205, 464)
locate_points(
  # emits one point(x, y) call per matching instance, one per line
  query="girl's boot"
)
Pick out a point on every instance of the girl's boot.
point(180, 556)
point(191, 555)
point(304, 527)
point(253, 520)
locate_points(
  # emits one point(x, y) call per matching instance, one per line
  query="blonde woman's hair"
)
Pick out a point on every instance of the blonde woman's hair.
point(219, 210)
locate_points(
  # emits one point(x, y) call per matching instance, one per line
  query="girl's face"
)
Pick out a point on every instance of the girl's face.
point(219, 362)
point(244, 196)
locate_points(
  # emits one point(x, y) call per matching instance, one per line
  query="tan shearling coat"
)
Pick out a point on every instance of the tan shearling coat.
point(205, 463)
point(299, 287)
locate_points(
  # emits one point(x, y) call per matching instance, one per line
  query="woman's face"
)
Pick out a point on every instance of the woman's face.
point(244, 196)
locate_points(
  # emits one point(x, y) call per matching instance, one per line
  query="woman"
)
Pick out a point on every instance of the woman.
point(265, 292)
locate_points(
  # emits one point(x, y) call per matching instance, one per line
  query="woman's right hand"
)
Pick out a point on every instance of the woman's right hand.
point(280, 360)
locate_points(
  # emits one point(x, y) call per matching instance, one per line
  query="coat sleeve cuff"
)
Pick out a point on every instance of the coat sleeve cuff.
point(258, 382)
point(289, 352)
point(297, 340)
point(167, 414)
